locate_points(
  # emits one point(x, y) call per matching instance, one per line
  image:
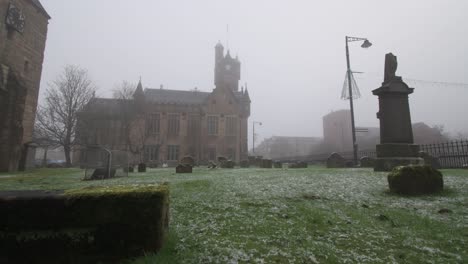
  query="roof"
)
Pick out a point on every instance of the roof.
point(40, 7)
point(104, 105)
point(179, 96)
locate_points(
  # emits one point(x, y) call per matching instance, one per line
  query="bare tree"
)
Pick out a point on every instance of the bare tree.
point(56, 119)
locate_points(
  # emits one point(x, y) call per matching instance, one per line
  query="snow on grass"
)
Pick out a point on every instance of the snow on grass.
point(313, 215)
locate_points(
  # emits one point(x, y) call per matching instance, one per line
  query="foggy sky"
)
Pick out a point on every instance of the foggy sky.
point(292, 52)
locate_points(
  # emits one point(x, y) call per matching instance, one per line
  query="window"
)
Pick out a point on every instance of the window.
point(212, 125)
point(173, 126)
point(231, 126)
point(172, 152)
point(151, 153)
point(152, 124)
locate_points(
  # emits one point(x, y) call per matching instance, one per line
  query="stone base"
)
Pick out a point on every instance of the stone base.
point(387, 164)
point(397, 150)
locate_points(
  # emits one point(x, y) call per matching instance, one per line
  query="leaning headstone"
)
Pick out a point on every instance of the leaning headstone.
point(212, 165)
point(183, 168)
point(367, 162)
point(266, 164)
point(142, 167)
point(278, 164)
point(429, 160)
point(336, 161)
point(244, 164)
point(102, 173)
point(413, 180)
point(187, 160)
point(396, 146)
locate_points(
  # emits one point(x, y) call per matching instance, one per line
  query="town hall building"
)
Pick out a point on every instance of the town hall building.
point(161, 126)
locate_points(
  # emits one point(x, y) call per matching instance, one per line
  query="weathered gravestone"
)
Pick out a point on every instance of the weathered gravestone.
point(396, 146)
point(142, 167)
point(244, 164)
point(266, 164)
point(187, 160)
point(183, 168)
point(102, 173)
point(429, 160)
point(278, 164)
point(336, 161)
point(298, 165)
point(367, 162)
point(414, 180)
point(228, 164)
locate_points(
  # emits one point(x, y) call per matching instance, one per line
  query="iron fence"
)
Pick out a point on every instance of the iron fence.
point(452, 154)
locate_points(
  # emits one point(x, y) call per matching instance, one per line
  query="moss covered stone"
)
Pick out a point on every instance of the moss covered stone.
point(411, 180)
point(84, 225)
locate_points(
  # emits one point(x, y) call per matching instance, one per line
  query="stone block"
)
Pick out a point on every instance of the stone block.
point(184, 168)
point(266, 164)
point(388, 164)
point(367, 162)
point(413, 180)
point(336, 161)
point(244, 164)
point(397, 150)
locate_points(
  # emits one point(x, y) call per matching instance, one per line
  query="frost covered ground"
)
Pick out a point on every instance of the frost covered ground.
point(312, 215)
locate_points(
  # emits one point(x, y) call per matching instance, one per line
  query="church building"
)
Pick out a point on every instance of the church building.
point(161, 126)
point(23, 34)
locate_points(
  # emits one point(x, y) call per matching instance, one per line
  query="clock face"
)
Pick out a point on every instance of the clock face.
point(228, 67)
point(15, 18)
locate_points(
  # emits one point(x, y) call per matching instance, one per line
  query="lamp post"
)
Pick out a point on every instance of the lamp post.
point(365, 44)
point(253, 135)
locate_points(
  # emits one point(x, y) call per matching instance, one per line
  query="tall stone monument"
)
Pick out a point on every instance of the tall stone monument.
point(396, 146)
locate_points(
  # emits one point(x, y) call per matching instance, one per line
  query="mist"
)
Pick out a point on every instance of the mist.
point(292, 53)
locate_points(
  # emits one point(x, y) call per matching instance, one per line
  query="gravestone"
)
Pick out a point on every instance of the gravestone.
point(278, 164)
point(298, 165)
point(183, 168)
point(429, 160)
point(142, 167)
point(187, 160)
point(367, 162)
point(244, 164)
point(335, 160)
point(266, 164)
point(396, 146)
point(228, 164)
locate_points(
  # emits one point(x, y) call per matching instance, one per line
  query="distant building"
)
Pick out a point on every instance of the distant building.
point(166, 125)
point(23, 33)
point(283, 147)
point(337, 131)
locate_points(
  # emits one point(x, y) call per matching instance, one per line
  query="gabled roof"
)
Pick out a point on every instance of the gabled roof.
point(40, 7)
point(179, 96)
point(175, 96)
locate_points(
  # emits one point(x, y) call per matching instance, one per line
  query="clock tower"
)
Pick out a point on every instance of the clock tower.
point(227, 69)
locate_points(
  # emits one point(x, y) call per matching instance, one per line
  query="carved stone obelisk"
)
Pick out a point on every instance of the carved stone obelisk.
point(396, 146)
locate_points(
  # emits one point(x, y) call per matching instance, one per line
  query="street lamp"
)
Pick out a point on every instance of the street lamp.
point(253, 135)
point(365, 44)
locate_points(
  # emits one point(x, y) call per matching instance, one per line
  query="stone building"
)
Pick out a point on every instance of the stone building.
point(23, 33)
point(161, 125)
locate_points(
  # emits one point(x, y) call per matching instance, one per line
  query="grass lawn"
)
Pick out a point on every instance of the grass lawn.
point(313, 215)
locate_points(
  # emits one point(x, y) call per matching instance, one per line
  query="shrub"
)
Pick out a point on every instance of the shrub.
point(412, 180)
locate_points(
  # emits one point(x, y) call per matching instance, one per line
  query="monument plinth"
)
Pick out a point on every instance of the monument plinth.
point(396, 146)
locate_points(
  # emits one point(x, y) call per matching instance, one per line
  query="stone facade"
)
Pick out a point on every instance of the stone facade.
point(23, 33)
point(166, 125)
